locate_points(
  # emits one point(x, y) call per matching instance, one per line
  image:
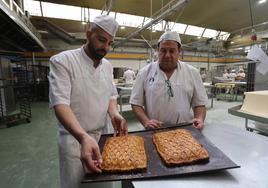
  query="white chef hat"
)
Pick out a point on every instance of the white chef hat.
point(107, 23)
point(170, 35)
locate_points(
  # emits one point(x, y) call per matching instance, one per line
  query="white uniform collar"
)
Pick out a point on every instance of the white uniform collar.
point(178, 65)
point(88, 58)
point(163, 73)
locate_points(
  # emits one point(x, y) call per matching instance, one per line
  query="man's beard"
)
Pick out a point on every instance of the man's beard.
point(168, 65)
point(97, 54)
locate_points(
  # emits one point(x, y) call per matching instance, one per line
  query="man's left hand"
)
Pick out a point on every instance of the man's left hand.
point(120, 125)
point(198, 123)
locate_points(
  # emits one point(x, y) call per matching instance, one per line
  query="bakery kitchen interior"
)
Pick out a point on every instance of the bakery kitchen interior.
point(131, 93)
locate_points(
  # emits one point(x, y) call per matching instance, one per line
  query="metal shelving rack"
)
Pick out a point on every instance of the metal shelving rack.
point(20, 88)
point(251, 77)
point(22, 114)
point(25, 109)
point(1, 107)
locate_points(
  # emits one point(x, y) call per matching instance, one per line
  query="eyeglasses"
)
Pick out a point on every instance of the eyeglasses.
point(170, 90)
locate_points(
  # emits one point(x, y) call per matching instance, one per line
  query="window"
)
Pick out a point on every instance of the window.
point(194, 30)
point(129, 20)
point(210, 33)
point(224, 35)
point(53, 10)
point(179, 27)
point(33, 7)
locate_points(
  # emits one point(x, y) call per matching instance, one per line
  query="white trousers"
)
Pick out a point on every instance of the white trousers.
point(71, 170)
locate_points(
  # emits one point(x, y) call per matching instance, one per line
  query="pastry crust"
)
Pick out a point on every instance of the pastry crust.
point(178, 147)
point(124, 153)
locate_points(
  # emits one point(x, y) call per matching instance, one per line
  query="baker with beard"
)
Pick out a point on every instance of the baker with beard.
point(82, 94)
point(169, 90)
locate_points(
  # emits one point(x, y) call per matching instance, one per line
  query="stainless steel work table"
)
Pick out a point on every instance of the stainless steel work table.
point(236, 112)
point(247, 149)
point(124, 92)
point(210, 89)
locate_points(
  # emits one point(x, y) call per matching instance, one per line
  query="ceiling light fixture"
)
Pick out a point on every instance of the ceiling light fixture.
point(122, 27)
point(84, 23)
point(261, 1)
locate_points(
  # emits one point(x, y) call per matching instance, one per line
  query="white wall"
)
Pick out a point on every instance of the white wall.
point(135, 64)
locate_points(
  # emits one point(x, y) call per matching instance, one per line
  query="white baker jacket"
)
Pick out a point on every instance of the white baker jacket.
point(129, 76)
point(87, 90)
point(151, 91)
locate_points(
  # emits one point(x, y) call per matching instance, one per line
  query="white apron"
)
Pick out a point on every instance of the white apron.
point(89, 102)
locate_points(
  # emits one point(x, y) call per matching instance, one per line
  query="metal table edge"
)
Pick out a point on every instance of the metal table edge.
point(235, 111)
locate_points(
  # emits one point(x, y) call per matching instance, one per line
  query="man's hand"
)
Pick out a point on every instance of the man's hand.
point(198, 123)
point(120, 125)
point(90, 155)
point(152, 124)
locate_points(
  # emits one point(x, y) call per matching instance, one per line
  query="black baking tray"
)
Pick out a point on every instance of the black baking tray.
point(157, 169)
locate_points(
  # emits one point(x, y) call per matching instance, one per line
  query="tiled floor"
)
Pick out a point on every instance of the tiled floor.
point(29, 157)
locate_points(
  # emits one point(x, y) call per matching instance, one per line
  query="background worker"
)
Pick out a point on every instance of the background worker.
point(241, 76)
point(129, 76)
